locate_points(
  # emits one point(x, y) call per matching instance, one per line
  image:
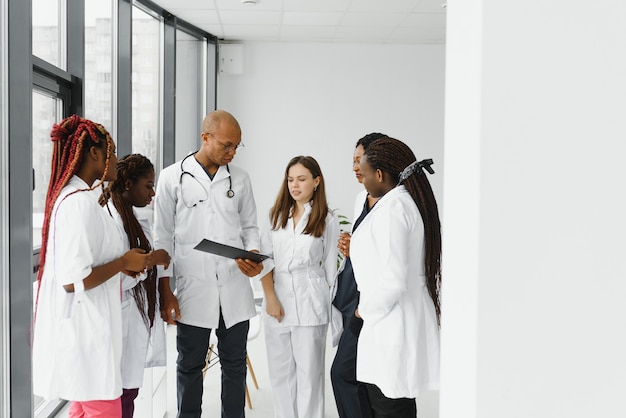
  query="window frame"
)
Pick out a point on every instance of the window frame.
point(5, 324)
point(17, 258)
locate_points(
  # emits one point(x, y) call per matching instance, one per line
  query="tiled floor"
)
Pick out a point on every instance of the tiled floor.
point(262, 404)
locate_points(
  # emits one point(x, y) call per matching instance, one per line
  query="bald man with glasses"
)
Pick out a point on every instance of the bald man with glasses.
point(204, 196)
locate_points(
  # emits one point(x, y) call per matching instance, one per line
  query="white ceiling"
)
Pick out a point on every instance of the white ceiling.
point(368, 21)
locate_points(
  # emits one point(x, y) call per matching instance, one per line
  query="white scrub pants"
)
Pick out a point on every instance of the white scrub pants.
point(295, 356)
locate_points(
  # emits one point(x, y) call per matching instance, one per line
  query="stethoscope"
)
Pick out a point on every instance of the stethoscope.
point(230, 193)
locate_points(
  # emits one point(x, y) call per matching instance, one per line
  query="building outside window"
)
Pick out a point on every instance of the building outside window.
point(146, 85)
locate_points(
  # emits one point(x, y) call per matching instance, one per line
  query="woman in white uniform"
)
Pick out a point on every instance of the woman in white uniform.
point(142, 326)
point(77, 340)
point(396, 254)
point(300, 238)
point(350, 395)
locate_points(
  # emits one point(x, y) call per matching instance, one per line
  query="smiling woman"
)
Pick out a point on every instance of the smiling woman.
point(396, 256)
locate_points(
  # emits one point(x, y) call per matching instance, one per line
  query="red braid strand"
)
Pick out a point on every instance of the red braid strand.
point(69, 138)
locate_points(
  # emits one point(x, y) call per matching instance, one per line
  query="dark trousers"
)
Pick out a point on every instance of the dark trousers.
point(128, 402)
point(350, 395)
point(192, 344)
point(384, 407)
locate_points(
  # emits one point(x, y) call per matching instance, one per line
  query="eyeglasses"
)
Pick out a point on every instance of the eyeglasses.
point(226, 148)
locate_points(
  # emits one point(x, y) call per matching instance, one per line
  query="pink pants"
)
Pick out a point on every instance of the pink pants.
point(96, 409)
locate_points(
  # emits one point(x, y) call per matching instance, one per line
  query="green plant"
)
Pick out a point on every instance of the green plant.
point(343, 220)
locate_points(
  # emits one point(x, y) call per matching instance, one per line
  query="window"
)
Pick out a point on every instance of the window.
point(47, 110)
point(99, 63)
point(146, 85)
point(189, 93)
point(87, 82)
point(4, 222)
point(49, 31)
point(50, 98)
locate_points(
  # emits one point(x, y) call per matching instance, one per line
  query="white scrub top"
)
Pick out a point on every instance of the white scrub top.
point(77, 341)
point(398, 348)
point(305, 268)
point(137, 340)
point(197, 210)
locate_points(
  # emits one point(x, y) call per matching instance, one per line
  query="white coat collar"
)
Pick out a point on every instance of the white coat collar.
point(389, 195)
point(195, 168)
point(78, 182)
point(221, 173)
point(304, 219)
point(307, 209)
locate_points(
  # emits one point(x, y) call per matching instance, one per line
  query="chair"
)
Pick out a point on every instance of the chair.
point(254, 331)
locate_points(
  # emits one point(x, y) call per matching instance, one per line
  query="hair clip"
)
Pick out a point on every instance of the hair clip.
point(414, 166)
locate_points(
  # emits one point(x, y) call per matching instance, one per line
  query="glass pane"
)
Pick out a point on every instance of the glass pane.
point(189, 86)
point(47, 110)
point(146, 85)
point(99, 62)
point(211, 76)
point(49, 31)
point(4, 220)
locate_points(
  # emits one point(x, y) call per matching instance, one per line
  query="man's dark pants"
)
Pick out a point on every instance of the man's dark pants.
point(192, 344)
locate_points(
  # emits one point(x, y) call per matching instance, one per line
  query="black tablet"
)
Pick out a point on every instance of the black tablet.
point(224, 250)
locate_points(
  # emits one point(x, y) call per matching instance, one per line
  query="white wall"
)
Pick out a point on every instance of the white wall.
point(534, 261)
point(319, 99)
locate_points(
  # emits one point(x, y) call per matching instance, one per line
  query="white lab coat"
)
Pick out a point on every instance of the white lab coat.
point(77, 341)
point(305, 268)
point(206, 282)
point(398, 348)
point(336, 319)
point(138, 340)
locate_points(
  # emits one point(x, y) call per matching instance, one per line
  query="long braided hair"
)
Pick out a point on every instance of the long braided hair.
point(279, 214)
point(72, 138)
point(132, 168)
point(393, 156)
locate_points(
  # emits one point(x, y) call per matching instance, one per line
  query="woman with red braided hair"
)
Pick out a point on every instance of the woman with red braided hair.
point(77, 339)
point(396, 256)
point(142, 328)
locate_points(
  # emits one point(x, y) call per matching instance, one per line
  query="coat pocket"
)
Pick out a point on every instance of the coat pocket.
point(318, 294)
point(85, 350)
point(85, 328)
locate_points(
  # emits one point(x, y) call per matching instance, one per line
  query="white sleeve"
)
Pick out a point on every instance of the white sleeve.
point(165, 218)
point(129, 282)
point(331, 235)
point(73, 259)
point(267, 248)
point(247, 215)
